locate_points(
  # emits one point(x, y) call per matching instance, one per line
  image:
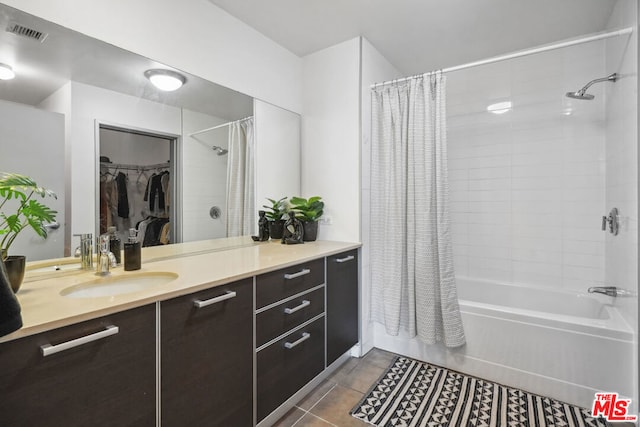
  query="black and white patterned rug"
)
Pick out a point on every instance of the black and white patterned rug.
point(413, 393)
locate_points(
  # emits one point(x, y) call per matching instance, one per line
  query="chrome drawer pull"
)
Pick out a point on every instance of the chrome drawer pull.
point(298, 274)
point(305, 336)
point(345, 259)
point(304, 304)
point(228, 295)
point(48, 349)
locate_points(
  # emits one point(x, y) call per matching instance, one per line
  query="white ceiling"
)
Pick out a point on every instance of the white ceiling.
point(422, 35)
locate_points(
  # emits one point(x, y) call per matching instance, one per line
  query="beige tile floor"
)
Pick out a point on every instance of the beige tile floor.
point(329, 404)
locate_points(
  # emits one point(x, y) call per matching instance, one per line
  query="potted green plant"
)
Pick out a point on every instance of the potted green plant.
point(274, 214)
point(308, 211)
point(20, 210)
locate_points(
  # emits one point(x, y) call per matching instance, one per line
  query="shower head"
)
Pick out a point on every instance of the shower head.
point(219, 150)
point(581, 94)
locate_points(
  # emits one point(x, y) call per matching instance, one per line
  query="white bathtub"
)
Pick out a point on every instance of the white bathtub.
point(555, 343)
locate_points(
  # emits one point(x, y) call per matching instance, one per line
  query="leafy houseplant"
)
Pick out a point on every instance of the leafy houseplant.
point(308, 211)
point(274, 214)
point(17, 194)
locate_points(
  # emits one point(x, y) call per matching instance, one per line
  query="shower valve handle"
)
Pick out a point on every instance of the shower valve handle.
point(613, 222)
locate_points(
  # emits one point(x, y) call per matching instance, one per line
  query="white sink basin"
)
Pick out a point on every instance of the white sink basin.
point(118, 285)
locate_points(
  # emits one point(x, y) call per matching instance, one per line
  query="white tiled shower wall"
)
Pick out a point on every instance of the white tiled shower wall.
point(528, 186)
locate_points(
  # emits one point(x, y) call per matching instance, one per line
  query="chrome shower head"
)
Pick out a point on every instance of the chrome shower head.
point(219, 150)
point(581, 94)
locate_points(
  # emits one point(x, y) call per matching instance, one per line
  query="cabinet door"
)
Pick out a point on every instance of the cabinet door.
point(287, 365)
point(109, 381)
point(342, 304)
point(207, 358)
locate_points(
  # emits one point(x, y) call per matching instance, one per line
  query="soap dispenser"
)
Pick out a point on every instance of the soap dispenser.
point(132, 252)
point(114, 243)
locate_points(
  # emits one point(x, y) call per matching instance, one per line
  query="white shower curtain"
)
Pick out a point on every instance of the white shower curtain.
point(241, 211)
point(413, 282)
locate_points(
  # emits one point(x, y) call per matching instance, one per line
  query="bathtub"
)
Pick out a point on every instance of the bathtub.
point(556, 343)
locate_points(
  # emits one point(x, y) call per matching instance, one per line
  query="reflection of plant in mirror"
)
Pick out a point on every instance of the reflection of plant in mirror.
point(277, 209)
point(29, 212)
point(307, 210)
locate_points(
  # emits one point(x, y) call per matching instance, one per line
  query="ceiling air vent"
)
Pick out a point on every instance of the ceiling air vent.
point(27, 32)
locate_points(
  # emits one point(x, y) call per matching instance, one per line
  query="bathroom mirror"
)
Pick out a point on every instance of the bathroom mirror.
point(68, 85)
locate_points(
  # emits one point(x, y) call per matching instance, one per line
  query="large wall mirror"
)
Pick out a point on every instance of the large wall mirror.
point(81, 112)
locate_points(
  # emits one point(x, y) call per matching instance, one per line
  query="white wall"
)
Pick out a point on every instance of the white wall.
point(375, 69)
point(278, 152)
point(331, 137)
point(621, 260)
point(193, 35)
point(527, 186)
point(204, 177)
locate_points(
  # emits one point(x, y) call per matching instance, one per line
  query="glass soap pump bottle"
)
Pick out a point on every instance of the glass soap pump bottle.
point(132, 252)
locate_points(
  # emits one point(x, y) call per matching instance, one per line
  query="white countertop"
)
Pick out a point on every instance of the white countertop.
point(228, 260)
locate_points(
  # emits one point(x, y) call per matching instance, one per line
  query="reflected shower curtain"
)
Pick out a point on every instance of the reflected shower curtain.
point(413, 282)
point(241, 211)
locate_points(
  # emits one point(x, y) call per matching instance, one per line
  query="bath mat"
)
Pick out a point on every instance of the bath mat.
point(413, 393)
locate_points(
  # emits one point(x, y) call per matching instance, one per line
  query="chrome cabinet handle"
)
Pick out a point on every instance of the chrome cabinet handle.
point(48, 349)
point(298, 274)
point(199, 304)
point(304, 304)
point(345, 259)
point(305, 336)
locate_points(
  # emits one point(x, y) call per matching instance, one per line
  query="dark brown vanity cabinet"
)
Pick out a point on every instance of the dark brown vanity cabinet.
point(290, 333)
point(206, 357)
point(100, 372)
point(342, 304)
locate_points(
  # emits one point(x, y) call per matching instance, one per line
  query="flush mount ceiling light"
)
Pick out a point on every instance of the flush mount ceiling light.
point(165, 80)
point(6, 72)
point(500, 107)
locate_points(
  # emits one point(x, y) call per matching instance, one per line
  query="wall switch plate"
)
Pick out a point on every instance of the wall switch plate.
point(325, 220)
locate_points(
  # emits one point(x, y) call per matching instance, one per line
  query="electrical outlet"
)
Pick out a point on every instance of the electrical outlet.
point(325, 220)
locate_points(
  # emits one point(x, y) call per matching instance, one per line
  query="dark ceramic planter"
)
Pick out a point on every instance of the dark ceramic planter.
point(276, 229)
point(15, 265)
point(310, 231)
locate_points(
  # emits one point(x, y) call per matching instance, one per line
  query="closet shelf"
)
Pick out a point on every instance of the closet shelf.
point(123, 166)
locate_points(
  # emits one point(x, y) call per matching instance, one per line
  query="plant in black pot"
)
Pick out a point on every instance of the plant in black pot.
point(274, 214)
point(308, 211)
point(20, 210)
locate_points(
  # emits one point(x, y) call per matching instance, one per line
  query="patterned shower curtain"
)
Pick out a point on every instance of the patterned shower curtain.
point(413, 282)
point(241, 210)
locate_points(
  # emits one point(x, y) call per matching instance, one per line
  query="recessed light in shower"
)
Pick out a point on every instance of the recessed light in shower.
point(6, 72)
point(500, 107)
point(165, 80)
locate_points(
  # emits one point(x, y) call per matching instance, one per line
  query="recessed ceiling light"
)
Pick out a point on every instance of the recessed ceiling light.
point(500, 107)
point(165, 80)
point(6, 72)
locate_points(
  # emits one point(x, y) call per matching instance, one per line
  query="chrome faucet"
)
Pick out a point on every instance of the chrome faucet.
point(106, 259)
point(611, 291)
point(85, 251)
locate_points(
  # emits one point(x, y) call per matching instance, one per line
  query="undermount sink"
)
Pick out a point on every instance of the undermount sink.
point(118, 285)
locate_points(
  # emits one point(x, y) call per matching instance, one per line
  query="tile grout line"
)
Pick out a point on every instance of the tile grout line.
point(313, 406)
point(322, 419)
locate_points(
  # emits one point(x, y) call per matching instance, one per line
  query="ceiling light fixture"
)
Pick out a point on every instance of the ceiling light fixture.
point(165, 80)
point(6, 72)
point(500, 107)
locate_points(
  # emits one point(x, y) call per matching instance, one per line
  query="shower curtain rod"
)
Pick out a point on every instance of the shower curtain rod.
point(520, 53)
point(219, 126)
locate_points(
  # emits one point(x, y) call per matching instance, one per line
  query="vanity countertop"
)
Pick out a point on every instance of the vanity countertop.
point(43, 307)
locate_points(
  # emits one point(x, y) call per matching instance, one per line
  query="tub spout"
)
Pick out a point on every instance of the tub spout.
point(611, 291)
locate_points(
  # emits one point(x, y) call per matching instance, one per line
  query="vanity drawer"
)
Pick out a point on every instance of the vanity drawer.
point(280, 284)
point(278, 320)
point(287, 365)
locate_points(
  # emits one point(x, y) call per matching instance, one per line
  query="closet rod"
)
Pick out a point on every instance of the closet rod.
point(219, 126)
point(134, 167)
point(520, 53)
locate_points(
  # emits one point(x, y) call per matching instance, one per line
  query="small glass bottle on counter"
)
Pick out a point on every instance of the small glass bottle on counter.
point(115, 246)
